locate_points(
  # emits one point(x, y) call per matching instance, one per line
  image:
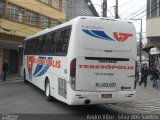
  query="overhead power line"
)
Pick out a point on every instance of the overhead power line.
point(144, 11)
point(152, 10)
point(129, 16)
point(129, 2)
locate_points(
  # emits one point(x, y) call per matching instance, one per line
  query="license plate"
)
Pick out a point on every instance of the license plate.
point(106, 95)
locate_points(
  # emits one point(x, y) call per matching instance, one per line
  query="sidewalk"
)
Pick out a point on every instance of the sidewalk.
point(12, 77)
point(147, 100)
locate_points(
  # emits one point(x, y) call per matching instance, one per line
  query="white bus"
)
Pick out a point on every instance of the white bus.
point(88, 60)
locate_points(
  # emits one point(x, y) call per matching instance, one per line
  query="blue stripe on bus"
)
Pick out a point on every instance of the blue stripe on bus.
point(45, 69)
point(101, 34)
point(97, 34)
point(38, 67)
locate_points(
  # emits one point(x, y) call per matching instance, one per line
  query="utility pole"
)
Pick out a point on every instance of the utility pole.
point(140, 40)
point(116, 10)
point(104, 8)
point(140, 43)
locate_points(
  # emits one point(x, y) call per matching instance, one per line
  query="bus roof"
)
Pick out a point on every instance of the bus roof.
point(70, 23)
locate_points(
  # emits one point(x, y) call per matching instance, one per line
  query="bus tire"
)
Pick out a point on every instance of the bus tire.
point(24, 77)
point(47, 90)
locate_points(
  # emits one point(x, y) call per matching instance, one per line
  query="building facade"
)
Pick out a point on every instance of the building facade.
point(74, 8)
point(22, 18)
point(153, 20)
point(152, 28)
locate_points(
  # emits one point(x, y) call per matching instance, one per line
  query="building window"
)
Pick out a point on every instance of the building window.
point(1, 8)
point(12, 12)
point(55, 3)
point(159, 7)
point(15, 13)
point(148, 8)
point(54, 23)
point(154, 8)
point(31, 18)
point(26, 16)
point(45, 1)
point(44, 22)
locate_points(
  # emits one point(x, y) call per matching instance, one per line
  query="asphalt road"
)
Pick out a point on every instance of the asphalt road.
point(20, 98)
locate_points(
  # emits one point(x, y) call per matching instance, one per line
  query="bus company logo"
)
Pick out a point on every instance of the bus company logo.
point(42, 65)
point(121, 37)
point(113, 67)
point(92, 27)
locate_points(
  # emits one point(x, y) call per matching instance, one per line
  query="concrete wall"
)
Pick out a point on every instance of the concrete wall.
point(153, 27)
point(17, 28)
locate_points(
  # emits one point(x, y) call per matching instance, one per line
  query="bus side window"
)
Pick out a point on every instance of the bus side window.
point(41, 45)
point(32, 46)
point(25, 47)
point(38, 49)
point(63, 41)
point(59, 43)
point(44, 44)
point(28, 47)
point(51, 43)
point(36, 44)
point(47, 46)
point(66, 39)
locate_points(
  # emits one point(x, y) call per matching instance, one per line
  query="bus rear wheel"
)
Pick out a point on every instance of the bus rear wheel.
point(47, 90)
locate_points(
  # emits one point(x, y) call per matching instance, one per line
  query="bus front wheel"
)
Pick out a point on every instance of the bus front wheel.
point(47, 90)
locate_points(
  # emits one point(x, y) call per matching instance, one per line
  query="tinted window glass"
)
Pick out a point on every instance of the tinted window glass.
point(34, 45)
point(63, 41)
point(28, 47)
point(54, 43)
point(50, 45)
point(154, 8)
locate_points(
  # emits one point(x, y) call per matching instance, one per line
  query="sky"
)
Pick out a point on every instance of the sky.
point(127, 10)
